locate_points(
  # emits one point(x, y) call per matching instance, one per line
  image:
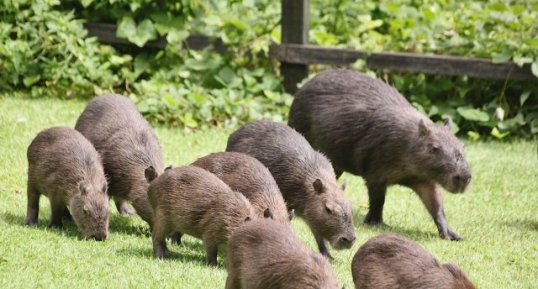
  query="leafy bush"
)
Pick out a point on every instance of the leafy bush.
point(180, 87)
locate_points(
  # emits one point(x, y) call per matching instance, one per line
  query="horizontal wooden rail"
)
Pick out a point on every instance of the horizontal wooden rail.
point(402, 62)
point(106, 33)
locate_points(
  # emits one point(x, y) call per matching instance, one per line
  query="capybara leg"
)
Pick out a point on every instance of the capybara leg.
point(176, 238)
point(232, 282)
point(57, 208)
point(32, 211)
point(123, 207)
point(376, 194)
point(158, 236)
point(211, 250)
point(143, 209)
point(322, 246)
point(432, 198)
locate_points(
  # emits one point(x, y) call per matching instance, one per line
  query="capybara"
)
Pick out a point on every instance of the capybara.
point(64, 166)
point(127, 145)
point(190, 200)
point(392, 261)
point(245, 174)
point(367, 128)
point(267, 255)
point(305, 178)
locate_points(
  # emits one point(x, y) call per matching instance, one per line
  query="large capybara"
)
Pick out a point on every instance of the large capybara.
point(245, 174)
point(367, 128)
point(267, 255)
point(190, 200)
point(392, 261)
point(305, 178)
point(127, 145)
point(64, 166)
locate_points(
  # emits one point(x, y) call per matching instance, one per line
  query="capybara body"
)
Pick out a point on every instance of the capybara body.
point(245, 174)
point(190, 200)
point(305, 178)
point(127, 145)
point(65, 167)
point(392, 261)
point(367, 128)
point(267, 255)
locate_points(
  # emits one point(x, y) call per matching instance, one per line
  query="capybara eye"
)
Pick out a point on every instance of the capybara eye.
point(247, 219)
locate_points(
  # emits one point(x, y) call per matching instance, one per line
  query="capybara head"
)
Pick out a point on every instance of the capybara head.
point(89, 208)
point(330, 215)
point(439, 155)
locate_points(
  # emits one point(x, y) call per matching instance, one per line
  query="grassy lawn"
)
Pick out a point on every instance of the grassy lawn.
point(497, 216)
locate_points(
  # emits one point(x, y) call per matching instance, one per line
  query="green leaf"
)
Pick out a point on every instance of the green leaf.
point(523, 97)
point(144, 32)
point(534, 68)
point(473, 135)
point(501, 57)
point(29, 80)
point(86, 3)
point(126, 28)
point(473, 114)
point(497, 134)
point(177, 36)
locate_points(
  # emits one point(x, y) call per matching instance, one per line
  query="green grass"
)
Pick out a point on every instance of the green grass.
point(497, 216)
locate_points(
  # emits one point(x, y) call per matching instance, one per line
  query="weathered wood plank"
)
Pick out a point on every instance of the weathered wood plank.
point(295, 27)
point(106, 33)
point(401, 62)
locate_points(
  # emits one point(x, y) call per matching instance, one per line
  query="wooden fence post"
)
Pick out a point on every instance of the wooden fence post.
point(295, 26)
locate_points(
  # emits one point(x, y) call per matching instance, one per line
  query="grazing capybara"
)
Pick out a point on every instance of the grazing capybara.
point(367, 128)
point(392, 261)
point(245, 174)
point(305, 178)
point(127, 145)
point(64, 166)
point(190, 200)
point(267, 255)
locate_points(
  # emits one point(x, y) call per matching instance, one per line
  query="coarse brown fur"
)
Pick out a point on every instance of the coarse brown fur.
point(245, 174)
point(193, 201)
point(127, 145)
point(65, 167)
point(367, 128)
point(268, 255)
point(305, 178)
point(392, 261)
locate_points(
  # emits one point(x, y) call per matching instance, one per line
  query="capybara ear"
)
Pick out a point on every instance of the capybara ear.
point(448, 122)
point(104, 188)
point(168, 167)
point(422, 129)
point(329, 208)
point(344, 185)
point(82, 188)
point(318, 186)
point(150, 174)
point(268, 214)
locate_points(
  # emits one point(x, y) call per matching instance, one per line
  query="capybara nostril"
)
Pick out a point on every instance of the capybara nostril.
point(348, 241)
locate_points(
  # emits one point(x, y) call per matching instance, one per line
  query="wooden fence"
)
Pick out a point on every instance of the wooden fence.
point(295, 54)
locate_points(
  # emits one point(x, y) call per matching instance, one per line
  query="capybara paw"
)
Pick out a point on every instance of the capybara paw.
point(126, 210)
point(450, 235)
point(31, 222)
point(56, 225)
point(374, 221)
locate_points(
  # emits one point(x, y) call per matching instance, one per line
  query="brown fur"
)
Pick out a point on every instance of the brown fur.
point(305, 178)
point(193, 201)
point(392, 261)
point(268, 255)
point(248, 176)
point(65, 167)
point(127, 145)
point(367, 128)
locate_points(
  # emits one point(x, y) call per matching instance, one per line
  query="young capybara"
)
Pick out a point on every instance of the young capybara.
point(267, 255)
point(64, 166)
point(190, 200)
point(367, 128)
point(245, 174)
point(127, 145)
point(392, 261)
point(305, 178)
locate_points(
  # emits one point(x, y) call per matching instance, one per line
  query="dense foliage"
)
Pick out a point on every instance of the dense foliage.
point(43, 50)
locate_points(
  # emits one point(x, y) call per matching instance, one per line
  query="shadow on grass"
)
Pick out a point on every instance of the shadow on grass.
point(123, 225)
point(69, 228)
point(523, 225)
point(192, 252)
